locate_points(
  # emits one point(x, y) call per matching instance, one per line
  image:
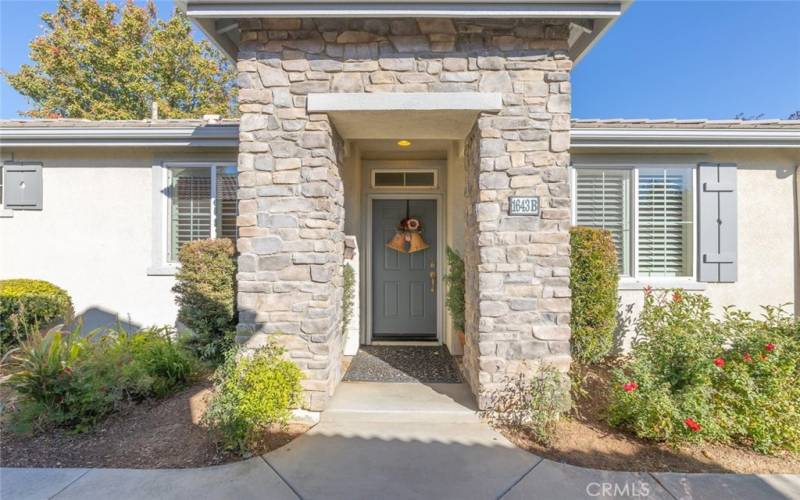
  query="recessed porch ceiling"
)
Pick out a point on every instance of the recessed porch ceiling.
point(591, 18)
point(439, 115)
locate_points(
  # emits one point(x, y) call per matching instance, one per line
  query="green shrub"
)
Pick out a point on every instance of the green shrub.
point(691, 377)
point(758, 394)
point(28, 306)
point(594, 277)
point(348, 295)
point(668, 378)
point(205, 291)
point(74, 381)
point(48, 376)
point(456, 288)
point(251, 393)
point(140, 365)
point(532, 405)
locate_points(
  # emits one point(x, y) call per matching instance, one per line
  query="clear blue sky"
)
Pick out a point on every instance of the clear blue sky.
point(662, 59)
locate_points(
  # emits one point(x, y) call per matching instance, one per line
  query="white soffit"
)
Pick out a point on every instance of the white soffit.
point(434, 115)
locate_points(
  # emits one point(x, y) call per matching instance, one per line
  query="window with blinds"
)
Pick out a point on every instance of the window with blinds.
point(603, 201)
point(665, 222)
point(202, 204)
point(646, 209)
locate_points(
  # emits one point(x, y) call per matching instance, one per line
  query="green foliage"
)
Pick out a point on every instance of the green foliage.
point(110, 62)
point(205, 291)
point(348, 295)
point(74, 381)
point(758, 394)
point(251, 393)
point(532, 405)
point(594, 277)
point(455, 279)
point(26, 306)
point(691, 377)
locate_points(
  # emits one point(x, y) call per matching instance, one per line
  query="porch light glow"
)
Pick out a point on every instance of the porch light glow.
point(404, 143)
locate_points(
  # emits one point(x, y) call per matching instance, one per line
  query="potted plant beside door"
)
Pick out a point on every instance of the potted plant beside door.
point(455, 291)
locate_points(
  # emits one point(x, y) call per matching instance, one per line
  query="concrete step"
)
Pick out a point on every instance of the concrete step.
point(401, 402)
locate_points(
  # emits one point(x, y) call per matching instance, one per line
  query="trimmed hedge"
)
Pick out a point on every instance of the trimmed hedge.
point(594, 277)
point(28, 306)
point(205, 291)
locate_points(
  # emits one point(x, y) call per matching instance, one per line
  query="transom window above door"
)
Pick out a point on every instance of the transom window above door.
point(649, 212)
point(391, 178)
point(202, 204)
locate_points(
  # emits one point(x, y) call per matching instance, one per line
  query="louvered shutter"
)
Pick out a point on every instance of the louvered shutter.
point(227, 204)
point(717, 220)
point(602, 201)
point(191, 207)
point(665, 222)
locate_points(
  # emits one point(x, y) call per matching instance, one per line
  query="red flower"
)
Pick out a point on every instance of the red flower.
point(691, 424)
point(648, 290)
point(630, 386)
point(747, 357)
point(719, 362)
point(676, 296)
point(769, 346)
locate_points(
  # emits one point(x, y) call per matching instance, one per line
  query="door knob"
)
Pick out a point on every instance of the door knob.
point(433, 281)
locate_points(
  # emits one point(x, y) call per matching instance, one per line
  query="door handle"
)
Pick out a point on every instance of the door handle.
point(433, 281)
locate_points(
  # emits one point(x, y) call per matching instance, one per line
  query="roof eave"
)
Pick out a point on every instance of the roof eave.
point(208, 13)
point(683, 138)
point(191, 137)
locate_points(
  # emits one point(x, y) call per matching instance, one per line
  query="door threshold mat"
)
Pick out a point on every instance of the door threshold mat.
point(426, 364)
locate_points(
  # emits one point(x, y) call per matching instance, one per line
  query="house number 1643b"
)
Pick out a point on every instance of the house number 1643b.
point(523, 205)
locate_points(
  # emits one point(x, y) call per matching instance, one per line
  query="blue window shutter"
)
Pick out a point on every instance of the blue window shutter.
point(23, 185)
point(717, 222)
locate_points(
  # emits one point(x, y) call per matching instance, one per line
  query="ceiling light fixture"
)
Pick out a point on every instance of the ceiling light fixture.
point(404, 143)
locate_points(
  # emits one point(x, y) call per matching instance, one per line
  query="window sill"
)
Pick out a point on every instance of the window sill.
point(627, 284)
point(6, 213)
point(164, 270)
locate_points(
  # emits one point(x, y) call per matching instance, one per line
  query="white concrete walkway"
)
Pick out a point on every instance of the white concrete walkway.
point(391, 441)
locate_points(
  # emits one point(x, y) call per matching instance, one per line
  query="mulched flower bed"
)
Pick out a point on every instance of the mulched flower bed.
point(585, 439)
point(152, 434)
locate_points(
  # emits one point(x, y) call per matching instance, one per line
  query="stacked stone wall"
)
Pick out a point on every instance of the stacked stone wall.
point(291, 195)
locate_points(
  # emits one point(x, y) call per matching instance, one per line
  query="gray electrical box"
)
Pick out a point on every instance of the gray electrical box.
point(22, 186)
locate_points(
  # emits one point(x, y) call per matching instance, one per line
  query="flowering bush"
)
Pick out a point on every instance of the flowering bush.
point(668, 378)
point(691, 377)
point(758, 394)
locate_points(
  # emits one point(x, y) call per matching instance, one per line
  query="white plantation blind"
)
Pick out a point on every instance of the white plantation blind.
point(603, 201)
point(191, 207)
point(195, 194)
point(227, 205)
point(665, 222)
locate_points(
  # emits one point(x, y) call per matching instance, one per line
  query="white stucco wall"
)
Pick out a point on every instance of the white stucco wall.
point(767, 229)
point(94, 235)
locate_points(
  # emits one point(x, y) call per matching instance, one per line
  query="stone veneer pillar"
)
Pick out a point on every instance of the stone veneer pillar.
point(291, 215)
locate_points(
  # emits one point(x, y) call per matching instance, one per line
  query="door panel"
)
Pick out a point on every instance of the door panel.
point(403, 296)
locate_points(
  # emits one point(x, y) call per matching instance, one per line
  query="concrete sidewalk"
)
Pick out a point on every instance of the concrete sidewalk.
point(394, 448)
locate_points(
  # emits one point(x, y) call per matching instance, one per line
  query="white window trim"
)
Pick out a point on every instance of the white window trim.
point(161, 265)
point(637, 282)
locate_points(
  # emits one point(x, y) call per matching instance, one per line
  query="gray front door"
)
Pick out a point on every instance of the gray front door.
point(403, 284)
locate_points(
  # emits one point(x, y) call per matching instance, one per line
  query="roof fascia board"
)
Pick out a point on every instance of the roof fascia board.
point(143, 136)
point(684, 138)
point(551, 10)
